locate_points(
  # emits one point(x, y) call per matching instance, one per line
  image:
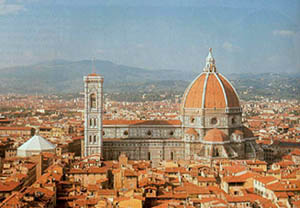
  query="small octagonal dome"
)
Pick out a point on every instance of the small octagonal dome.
point(215, 135)
point(35, 145)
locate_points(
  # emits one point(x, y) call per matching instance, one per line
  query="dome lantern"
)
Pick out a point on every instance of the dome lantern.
point(210, 65)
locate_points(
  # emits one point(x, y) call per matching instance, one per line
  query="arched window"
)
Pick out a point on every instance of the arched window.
point(95, 139)
point(93, 100)
point(172, 156)
point(217, 152)
point(91, 122)
point(149, 133)
point(149, 156)
point(90, 139)
point(95, 122)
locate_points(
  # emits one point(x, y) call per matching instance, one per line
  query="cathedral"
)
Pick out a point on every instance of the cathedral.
point(210, 126)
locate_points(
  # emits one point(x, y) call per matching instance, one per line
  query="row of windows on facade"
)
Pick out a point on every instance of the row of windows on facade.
point(148, 133)
point(143, 144)
point(213, 121)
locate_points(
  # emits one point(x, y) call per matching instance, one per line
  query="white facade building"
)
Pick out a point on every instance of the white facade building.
point(210, 126)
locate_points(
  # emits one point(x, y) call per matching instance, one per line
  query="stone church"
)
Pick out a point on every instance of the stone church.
point(210, 125)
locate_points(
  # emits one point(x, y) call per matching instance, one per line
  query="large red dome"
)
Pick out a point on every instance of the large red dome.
point(210, 90)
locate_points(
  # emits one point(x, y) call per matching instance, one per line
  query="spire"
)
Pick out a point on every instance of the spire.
point(210, 63)
point(93, 66)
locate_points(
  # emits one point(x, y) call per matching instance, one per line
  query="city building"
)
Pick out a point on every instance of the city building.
point(210, 126)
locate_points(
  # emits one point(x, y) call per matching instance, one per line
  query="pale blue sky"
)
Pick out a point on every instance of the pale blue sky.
point(246, 36)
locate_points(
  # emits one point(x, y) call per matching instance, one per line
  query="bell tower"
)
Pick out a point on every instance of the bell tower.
point(93, 112)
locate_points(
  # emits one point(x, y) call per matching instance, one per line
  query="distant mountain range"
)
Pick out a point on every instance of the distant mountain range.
point(67, 76)
point(60, 76)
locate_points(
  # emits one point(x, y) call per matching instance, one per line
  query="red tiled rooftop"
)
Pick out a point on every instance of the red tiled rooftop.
point(215, 135)
point(215, 91)
point(191, 131)
point(8, 186)
point(19, 128)
point(266, 179)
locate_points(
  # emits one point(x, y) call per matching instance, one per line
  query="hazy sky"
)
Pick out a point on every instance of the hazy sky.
point(246, 35)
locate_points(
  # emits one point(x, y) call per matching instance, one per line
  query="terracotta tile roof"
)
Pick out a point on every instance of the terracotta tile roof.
point(256, 162)
point(211, 199)
point(206, 179)
point(77, 137)
point(240, 178)
point(47, 193)
point(284, 186)
point(19, 176)
point(15, 128)
point(100, 170)
point(13, 200)
point(49, 176)
point(191, 189)
point(296, 203)
point(235, 199)
point(287, 163)
point(238, 132)
point(110, 192)
point(232, 97)
point(101, 180)
point(281, 194)
point(170, 195)
point(214, 96)
point(296, 152)
point(8, 186)
point(233, 169)
point(130, 173)
point(215, 135)
point(175, 170)
point(29, 166)
point(85, 202)
point(266, 179)
point(191, 131)
point(193, 97)
point(92, 187)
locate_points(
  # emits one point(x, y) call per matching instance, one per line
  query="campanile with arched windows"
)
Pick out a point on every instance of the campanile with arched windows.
point(93, 111)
